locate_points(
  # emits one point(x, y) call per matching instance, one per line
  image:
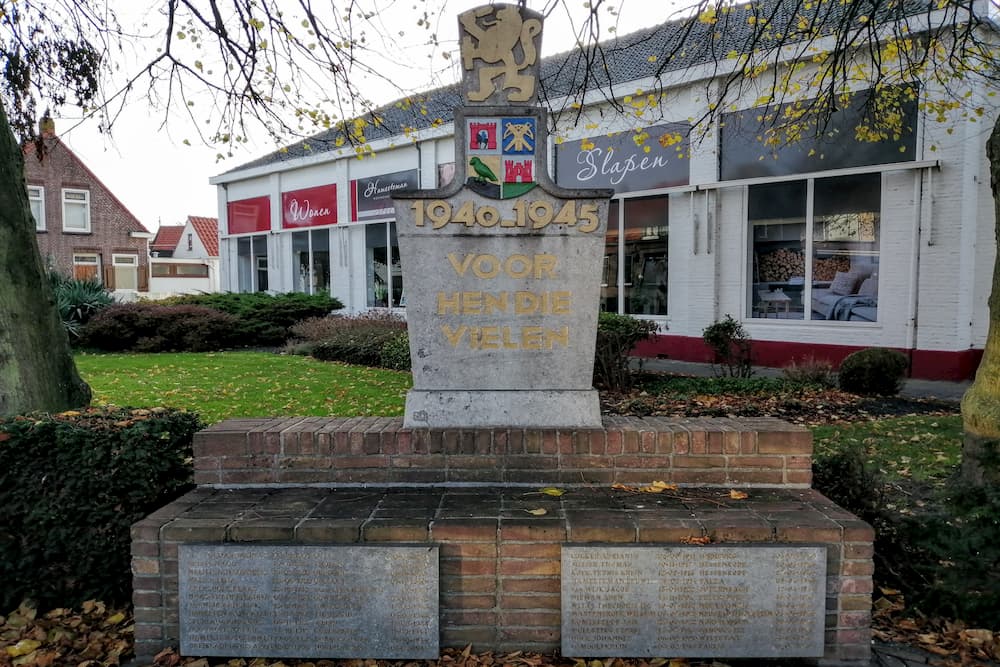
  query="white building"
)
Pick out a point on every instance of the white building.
point(819, 248)
point(184, 259)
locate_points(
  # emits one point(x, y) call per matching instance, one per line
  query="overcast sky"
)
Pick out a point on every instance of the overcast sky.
point(162, 181)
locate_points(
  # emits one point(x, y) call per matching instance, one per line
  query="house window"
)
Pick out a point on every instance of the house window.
point(190, 242)
point(126, 271)
point(161, 270)
point(87, 266)
point(251, 256)
point(835, 222)
point(384, 271)
point(311, 261)
point(634, 278)
point(76, 211)
point(36, 200)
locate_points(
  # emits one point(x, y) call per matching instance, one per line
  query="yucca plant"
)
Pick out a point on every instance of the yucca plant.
point(78, 300)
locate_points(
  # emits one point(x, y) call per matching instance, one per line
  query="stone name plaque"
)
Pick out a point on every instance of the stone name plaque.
point(308, 601)
point(747, 601)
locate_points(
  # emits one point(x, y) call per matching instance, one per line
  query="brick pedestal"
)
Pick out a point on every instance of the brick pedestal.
point(500, 566)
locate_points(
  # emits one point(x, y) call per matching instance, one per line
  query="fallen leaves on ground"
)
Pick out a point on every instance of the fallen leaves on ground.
point(451, 657)
point(805, 405)
point(93, 636)
point(955, 643)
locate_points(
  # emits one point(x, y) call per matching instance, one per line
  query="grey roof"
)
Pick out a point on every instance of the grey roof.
point(648, 53)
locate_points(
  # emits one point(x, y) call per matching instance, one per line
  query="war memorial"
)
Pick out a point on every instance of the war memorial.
point(393, 538)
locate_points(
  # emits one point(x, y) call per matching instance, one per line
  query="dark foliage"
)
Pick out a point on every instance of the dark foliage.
point(151, 327)
point(369, 339)
point(71, 485)
point(78, 301)
point(360, 345)
point(874, 371)
point(396, 352)
point(264, 319)
point(617, 335)
point(731, 347)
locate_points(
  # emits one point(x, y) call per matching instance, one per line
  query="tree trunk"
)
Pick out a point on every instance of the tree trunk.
point(36, 367)
point(981, 404)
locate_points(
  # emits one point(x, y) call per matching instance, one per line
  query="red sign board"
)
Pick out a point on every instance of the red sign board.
point(248, 216)
point(309, 207)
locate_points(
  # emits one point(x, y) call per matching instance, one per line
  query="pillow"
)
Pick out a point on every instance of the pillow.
point(869, 286)
point(844, 283)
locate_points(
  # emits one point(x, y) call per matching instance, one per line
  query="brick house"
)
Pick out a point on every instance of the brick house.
point(82, 229)
point(184, 259)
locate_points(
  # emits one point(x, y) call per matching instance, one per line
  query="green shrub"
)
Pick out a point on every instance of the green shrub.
point(360, 345)
point(263, 319)
point(78, 301)
point(396, 352)
point(873, 371)
point(731, 347)
point(617, 335)
point(151, 327)
point(71, 485)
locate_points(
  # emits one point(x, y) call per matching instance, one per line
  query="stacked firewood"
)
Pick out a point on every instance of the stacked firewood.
point(780, 265)
point(826, 269)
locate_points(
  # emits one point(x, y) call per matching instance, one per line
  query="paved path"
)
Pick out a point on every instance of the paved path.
point(912, 388)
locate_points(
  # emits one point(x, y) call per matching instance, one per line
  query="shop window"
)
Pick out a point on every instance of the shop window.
point(36, 200)
point(777, 214)
point(384, 271)
point(76, 211)
point(839, 235)
point(311, 261)
point(126, 271)
point(251, 256)
point(87, 266)
point(634, 278)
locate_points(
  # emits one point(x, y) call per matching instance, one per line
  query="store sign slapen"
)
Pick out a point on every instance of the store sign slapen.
point(309, 207)
point(502, 266)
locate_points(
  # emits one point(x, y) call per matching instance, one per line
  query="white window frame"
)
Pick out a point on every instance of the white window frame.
point(36, 194)
point(126, 261)
point(88, 259)
point(76, 202)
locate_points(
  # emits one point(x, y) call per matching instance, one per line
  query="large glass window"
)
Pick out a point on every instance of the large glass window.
point(634, 278)
point(832, 221)
point(777, 214)
point(76, 211)
point(311, 261)
point(251, 256)
point(846, 248)
point(645, 253)
point(36, 200)
point(384, 271)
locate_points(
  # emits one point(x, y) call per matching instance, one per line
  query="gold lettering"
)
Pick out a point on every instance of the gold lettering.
point(508, 344)
point(495, 303)
point(523, 272)
point(560, 303)
point(545, 266)
point(486, 266)
point(560, 336)
point(472, 303)
point(491, 338)
point(454, 336)
point(531, 338)
point(447, 303)
point(525, 303)
point(460, 267)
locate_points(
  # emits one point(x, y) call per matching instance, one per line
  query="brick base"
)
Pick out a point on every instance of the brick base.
point(500, 566)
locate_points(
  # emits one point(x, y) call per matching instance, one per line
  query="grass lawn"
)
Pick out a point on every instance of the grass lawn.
point(220, 385)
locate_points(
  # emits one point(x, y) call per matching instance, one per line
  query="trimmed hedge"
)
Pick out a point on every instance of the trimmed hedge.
point(151, 327)
point(874, 371)
point(71, 485)
point(263, 319)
